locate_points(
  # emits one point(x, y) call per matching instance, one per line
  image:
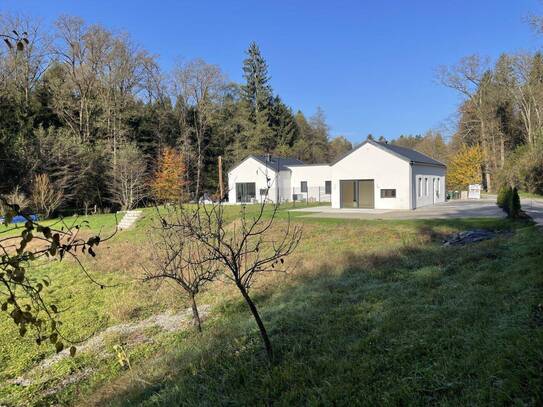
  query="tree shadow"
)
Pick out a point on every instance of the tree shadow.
point(419, 324)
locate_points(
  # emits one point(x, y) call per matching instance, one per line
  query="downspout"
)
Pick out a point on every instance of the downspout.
point(277, 184)
point(412, 196)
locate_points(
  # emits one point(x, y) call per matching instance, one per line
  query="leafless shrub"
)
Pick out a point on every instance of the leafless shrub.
point(46, 196)
point(179, 257)
point(243, 249)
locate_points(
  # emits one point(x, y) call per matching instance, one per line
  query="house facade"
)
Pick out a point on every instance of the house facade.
point(373, 175)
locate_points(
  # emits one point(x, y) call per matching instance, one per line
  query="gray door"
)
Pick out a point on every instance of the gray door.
point(366, 197)
point(357, 193)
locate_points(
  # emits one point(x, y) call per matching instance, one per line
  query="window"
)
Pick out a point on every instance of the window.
point(425, 186)
point(263, 191)
point(327, 187)
point(245, 191)
point(303, 186)
point(388, 193)
point(437, 187)
point(420, 187)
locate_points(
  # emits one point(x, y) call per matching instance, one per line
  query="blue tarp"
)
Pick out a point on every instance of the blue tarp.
point(20, 219)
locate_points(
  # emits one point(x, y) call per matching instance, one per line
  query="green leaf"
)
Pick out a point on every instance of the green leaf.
point(59, 346)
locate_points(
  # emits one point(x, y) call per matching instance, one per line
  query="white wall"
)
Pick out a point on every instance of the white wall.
point(252, 170)
point(387, 170)
point(421, 197)
point(315, 175)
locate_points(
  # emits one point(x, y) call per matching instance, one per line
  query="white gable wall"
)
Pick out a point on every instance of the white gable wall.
point(429, 173)
point(252, 170)
point(386, 169)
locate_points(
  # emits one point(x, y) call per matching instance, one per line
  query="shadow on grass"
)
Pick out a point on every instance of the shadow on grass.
point(420, 324)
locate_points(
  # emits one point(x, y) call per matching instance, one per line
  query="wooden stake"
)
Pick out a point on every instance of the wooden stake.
point(221, 189)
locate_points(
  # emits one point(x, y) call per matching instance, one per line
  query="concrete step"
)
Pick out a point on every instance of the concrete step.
point(128, 220)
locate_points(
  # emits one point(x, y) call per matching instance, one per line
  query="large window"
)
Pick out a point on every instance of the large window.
point(327, 187)
point(388, 193)
point(303, 186)
point(245, 191)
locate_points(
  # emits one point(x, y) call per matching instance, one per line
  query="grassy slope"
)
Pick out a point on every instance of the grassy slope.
point(374, 312)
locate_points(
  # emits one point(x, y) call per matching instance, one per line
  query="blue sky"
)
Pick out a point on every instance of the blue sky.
point(369, 64)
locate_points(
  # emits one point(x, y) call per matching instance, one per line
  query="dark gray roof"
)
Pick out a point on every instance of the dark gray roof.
point(410, 154)
point(402, 152)
point(277, 162)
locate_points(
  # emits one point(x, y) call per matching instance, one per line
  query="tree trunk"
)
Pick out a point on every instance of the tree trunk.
point(261, 327)
point(195, 315)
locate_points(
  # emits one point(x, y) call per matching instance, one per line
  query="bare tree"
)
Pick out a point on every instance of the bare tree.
point(244, 249)
point(178, 257)
point(197, 85)
point(46, 196)
point(128, 184)
point(470, 78)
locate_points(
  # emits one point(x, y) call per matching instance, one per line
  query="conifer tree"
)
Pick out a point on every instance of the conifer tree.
point(168, 183)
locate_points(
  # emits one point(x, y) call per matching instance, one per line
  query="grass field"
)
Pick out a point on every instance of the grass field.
point(372, 312)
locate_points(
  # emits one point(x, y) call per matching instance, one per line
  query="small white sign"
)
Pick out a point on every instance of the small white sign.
point(474, 191)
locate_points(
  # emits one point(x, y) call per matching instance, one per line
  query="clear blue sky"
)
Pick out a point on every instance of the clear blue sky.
point(369, 64)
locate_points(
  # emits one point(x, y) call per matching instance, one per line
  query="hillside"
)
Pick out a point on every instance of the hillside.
point(372, 311)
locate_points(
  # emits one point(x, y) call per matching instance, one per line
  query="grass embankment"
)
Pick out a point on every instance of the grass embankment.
point(373, 312)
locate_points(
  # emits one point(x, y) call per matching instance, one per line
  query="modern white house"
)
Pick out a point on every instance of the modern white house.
point(373, 175)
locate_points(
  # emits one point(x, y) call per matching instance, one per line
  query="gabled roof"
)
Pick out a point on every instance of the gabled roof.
point(277, 162)
point(273, 163)
point(402, 152)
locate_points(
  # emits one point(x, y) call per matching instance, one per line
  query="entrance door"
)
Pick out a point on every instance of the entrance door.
point(245, 192)
point(357, 193)
point(365, 194)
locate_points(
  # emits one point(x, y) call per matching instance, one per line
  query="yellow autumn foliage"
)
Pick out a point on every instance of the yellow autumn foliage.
point(465, 167)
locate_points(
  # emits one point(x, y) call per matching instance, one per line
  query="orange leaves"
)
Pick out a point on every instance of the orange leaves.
point(168, 182)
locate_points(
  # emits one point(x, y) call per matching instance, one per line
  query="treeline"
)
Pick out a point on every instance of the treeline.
point(502, 116)
point(89, 109)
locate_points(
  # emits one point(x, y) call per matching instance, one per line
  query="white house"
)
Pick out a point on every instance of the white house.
point(373, 175)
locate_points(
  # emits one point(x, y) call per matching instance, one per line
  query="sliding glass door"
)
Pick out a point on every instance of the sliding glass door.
point(357, 193)
point(245, 192)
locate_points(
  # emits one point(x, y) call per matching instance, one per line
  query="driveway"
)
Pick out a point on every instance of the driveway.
point(534, 208)
point(484, 208)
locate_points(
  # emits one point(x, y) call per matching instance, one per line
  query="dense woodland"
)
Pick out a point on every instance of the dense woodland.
point(89, 108)
point(87, 115)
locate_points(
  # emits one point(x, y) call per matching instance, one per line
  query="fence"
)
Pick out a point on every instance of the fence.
point(311, 194)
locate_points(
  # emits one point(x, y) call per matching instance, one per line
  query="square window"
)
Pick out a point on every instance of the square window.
point(388, 193)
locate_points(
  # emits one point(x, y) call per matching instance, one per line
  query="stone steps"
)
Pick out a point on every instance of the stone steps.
point(128, 220)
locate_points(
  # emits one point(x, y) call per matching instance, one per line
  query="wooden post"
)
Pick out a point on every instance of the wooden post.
point(221, 188)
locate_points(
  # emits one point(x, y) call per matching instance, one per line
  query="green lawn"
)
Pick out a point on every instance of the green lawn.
point(372, 312)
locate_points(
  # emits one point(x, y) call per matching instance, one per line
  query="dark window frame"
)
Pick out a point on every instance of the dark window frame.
point(303, 186)
point(388, 193)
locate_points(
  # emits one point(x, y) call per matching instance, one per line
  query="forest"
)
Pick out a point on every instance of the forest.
point(88, 117)
point(84, 111)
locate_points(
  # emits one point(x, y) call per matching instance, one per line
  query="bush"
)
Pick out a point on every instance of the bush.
point(514, 204)
point(502, 196)
point(509, 201)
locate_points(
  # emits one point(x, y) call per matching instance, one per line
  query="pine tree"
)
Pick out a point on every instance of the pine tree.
point(256, 95)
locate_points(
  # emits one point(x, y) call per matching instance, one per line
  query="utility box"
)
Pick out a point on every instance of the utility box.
point(474, 191)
